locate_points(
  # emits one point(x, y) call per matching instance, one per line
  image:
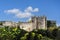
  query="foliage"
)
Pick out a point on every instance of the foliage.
point(15, 33)
point(0, 23)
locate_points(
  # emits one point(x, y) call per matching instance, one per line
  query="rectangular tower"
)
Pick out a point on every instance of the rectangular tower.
point(42, 22)
point(39, 22)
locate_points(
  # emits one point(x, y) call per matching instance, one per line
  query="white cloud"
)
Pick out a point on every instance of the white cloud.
point(30, 9)
point(22, 14)
point(36, 10)
point(13, 11)
point(58, 24)
point(29, 20)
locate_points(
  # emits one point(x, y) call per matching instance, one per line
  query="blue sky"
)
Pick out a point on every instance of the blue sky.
point(49, 8)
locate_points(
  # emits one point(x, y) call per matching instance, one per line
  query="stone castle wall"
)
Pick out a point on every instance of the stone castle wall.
point(40, 22)
point(26, 26)
point(37, 23)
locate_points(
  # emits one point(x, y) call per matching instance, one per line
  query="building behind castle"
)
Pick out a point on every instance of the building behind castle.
point(36, 22)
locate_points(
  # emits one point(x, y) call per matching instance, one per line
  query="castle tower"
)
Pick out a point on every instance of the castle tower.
point(39, 22)
point(42, 22)
point(35, 22)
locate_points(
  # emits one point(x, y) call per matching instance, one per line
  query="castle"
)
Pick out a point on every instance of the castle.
point(36, 22)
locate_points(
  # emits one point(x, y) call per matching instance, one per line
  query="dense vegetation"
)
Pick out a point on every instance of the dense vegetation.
point(13, 33)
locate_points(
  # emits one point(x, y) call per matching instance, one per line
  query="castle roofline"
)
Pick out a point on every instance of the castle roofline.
point(38, 16)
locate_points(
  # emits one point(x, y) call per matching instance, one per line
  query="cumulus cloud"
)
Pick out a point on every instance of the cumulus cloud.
point(30, 9)
point(36, 10)
point(22, 14)
point(13, 11)
point(58, 24)
point(29, 19)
